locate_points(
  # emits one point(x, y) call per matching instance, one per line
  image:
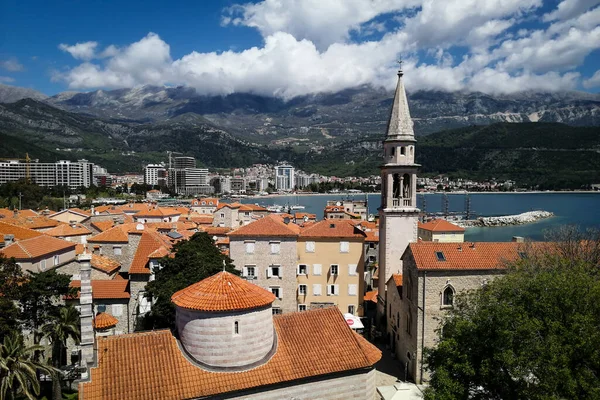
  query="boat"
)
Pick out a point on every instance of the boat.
point(297, 207)
point(275, 208)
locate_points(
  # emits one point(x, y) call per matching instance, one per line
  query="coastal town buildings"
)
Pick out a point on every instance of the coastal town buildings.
point(285, 178)
point(61, 173)
point(440, 230)
point(155, 175)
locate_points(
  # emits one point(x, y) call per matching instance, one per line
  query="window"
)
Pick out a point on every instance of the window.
point(249, 247)
point(372, 259)
point(117, 310)
point(448, 296)
point(273, 272)
point(249, 271)
point(222, 215)
point(317, 289)
point(301, 307)
point(393, 151)
point(277, 310)
point(43, 265)
point(56, 260)
point(117, 250)
point(316, 269)
point(352, 269)
point(333, 290)
point(144, 303)
point(309, 247)
point(351, 309)
point(236, 328)
point(352, 289)
point(302, 269)
point(344, 247)
point(403, 150)
point(440, 256)
point(408, 322)
point(371, 245)
point(276, 290)
point(275, 247)
point(247, 213)
point(334, 269)
point(302, 290)
point(409, 287)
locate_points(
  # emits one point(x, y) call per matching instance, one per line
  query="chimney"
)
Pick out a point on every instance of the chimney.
point(86, 314)
point(8, 240)
point(92, 210)
point(472, 245)
point(73, 224)
point(331, 226)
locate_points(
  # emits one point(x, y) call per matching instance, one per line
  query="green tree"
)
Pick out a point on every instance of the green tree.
point(59, 329)
point(10, 279)
point(531, 334)
point(195, 259)
point(18, 369)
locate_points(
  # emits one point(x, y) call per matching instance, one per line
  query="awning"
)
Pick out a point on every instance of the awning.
point(353, 321)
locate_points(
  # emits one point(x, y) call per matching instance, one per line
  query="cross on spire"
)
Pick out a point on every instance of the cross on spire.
point(400, 72)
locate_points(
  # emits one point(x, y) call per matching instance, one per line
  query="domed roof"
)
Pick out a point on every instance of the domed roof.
point(222, 292)
point(104, 320)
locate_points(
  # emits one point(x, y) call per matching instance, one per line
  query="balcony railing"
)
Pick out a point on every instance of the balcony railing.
point(406, 202)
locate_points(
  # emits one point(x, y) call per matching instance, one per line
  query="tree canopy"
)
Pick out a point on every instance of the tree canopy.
point(531, 334)
point(195, 259)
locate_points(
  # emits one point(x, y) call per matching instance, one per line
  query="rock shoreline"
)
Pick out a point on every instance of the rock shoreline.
point(506, 220)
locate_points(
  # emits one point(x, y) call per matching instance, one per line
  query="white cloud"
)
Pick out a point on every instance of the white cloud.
point(6, 79)
point(570, 8)
point(592, 82)
point(307, 49)
point(11, 64)
point(80, 51)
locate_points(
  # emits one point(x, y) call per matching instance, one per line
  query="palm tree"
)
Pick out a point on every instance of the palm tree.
point(18, 369)
point(59, 329)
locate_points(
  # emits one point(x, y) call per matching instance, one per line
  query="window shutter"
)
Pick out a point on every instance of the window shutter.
point(316, 289)
point(310, 247)
point(280, 293)
point(329, 290)
point(317, 269)
point(344, 247)
point(337, 289)
point(351, 289)
point(298, 270)
point(352, 269)
point(269, 272)
point(117, 310)
point(244, 271)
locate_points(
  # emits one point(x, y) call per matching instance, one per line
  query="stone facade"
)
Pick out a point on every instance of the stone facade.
point(393, 315)
point(137, 287)
point(424, 291)
point(72, 269)
point(127, 250)
point(357, 385)
point(262, 258)
point(226, 339)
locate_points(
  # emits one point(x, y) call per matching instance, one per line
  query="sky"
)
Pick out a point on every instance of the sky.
point(287, 48)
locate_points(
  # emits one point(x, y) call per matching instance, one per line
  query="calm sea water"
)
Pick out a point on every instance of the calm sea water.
point(582, 209)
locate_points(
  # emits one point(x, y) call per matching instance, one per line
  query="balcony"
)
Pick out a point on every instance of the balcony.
point(405, 202)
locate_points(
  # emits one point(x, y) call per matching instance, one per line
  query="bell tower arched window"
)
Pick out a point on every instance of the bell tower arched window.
point(448, 296)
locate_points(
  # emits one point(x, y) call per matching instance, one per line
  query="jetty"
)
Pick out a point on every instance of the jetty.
point(505, 220)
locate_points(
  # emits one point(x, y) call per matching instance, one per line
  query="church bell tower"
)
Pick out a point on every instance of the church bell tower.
point(398, 215)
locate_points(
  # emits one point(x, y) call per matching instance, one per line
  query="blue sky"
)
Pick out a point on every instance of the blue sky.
point(294, 47)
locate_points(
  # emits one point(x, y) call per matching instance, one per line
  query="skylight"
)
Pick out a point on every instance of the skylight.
point(440, 256)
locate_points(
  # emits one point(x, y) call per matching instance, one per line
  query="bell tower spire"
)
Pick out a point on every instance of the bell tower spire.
point(398, 215)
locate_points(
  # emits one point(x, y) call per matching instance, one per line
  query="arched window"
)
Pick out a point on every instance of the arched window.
point(403, 150)
point(396, 186)
point(236, 327)
point(393, 151)
point(411, 150)
point(408, 322)
point(406, 189)
point(448, 296)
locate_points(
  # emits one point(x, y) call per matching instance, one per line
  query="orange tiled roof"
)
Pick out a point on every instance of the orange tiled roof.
point(440, 225)
point(118, 233)
point(159, 253)
point(332, 229)
point(202, 219)
point(158, 212)
point(33, 222)
point(223, 292)
point(215, 230)
point(103, 225)
point(464, 256)
point(67, 230)
point(372, 236)
point(149, 243)
point(107, 289)
point(371, 296)
point(18, 232)
point(222, 241)
point(397, 279)
point(104, 320)
point(301, 215)
point(207, 201)
point(252, 207)
point(36, 247)
point(269, 226)
point(150, 365)
point(104, 264)
point(28, 213)
point(109, 209)
point(167, 226)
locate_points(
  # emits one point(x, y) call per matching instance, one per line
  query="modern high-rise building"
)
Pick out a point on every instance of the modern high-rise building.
point(155, 174)
point(284, 178)
point(184, 162)
point(68, 173)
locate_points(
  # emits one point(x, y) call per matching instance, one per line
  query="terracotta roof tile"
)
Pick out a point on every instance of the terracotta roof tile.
point(150, 365)
point(28, 213)
point(149, 243)
point(207, 201)
point(371, 296)
point(104, 320)
point(397, 279)
point(440, 225)
point(158, 212)
point(269, 226)
point(465, 256)
point(103, 225)
point(37, 247)
point(107, 289)
point(202, 219)
point(332, 229)
point(372, 236)
point(33, 222)
point(223, 292)
point(18, 232)
point(105, 264)
point(301, 215)
point(67, 230)
point(113, 235)
point(215, 230)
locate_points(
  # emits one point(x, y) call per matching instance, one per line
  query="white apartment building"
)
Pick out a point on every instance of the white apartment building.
point(67, 173)
point(285, 178)
point(155, 174)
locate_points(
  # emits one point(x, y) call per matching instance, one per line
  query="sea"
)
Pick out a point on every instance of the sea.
point(569, 208)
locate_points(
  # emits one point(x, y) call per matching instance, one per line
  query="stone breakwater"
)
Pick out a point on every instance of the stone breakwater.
point(520, 219)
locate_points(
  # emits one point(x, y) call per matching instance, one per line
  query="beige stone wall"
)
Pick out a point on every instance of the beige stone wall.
point(67, 217)
point(127, 250)
point(211, 339)
point(448, 237)
point(73, 270)
point(359, 385)
point(36, 264)
point(424, 326)
point(327, 252)
point(137, 285)
point(262, 258)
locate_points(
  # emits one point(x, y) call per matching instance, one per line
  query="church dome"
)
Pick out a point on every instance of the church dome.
point(222, 292)
point(226, 322)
